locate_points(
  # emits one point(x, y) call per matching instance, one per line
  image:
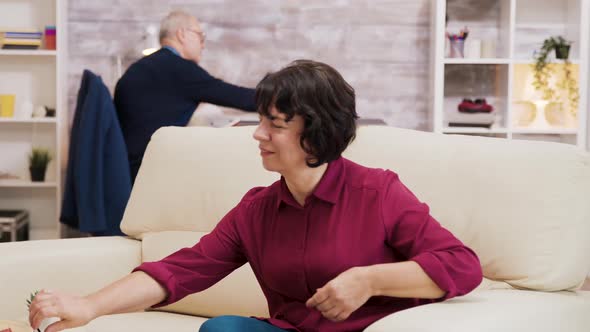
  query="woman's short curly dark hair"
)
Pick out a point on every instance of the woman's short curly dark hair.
point(326, 102)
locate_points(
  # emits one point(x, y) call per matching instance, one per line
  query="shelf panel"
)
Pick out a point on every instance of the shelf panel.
point(29, 52)
point(545, 131)
point(477, 61)
point(473, 130)
point(532, 61)
point(26, 184)
point(540, 26)
point(32, 120)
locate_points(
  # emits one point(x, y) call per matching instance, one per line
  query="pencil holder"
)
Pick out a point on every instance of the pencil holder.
point(457, 48)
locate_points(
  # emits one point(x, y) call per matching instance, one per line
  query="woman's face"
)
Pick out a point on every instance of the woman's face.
point(279, 143)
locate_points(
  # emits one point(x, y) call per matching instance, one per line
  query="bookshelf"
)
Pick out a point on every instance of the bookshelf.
point(514, 29)
point(35, 76)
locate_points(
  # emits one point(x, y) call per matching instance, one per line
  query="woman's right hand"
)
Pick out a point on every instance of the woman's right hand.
point(73, 311)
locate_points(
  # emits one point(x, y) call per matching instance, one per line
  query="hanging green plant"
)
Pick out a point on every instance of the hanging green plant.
point(543, 72)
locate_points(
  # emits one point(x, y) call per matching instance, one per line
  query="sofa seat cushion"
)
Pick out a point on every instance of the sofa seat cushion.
point(150, 321)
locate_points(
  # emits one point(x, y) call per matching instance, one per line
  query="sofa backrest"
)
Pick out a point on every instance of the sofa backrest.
point(523, 206)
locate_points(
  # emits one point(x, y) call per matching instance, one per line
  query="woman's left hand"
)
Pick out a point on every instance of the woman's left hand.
point(342, 295)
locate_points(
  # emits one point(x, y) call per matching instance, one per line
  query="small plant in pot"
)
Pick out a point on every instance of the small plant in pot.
point(543, 72)
point(38, 161)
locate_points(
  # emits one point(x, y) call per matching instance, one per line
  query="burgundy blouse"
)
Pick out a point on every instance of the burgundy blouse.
point(356, 216)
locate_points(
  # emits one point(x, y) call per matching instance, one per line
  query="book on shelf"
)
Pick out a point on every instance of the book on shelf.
point(23, 30)
point(24, 35)
point(458, 119)
point(20, 47)
point(20, 40)
point(15, 41)
point(470, 125)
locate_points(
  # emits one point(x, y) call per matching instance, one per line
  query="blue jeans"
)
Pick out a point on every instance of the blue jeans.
point(237, 324)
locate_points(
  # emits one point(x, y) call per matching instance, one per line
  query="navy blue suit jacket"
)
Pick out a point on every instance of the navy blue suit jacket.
point(98, 182)
point(163, 89)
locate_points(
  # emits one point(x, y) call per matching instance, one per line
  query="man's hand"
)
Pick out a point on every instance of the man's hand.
point(342, 295)
point(73, 311)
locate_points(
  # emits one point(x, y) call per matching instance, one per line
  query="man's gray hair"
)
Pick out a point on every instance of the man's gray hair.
point(177, 19)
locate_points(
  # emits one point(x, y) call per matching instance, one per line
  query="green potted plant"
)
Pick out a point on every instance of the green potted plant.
point(38, 161)
point(543, 72)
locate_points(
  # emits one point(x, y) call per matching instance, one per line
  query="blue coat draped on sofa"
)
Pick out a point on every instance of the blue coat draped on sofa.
point(98, 182)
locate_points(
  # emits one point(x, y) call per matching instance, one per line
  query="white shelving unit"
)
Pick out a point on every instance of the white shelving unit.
point(37, 76)
point(517, 28)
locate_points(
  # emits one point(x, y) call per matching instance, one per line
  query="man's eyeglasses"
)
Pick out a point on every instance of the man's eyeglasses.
point(201, 34)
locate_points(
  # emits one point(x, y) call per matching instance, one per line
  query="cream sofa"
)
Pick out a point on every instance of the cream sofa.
point(524, 207)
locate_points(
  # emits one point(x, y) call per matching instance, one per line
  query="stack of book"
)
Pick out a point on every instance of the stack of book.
point(459, 119)
point(21, 39)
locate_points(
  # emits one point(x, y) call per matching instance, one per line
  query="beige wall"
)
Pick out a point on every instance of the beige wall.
point(380, 47)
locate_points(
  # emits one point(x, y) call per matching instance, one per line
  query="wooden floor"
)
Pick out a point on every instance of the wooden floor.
point(586, 285)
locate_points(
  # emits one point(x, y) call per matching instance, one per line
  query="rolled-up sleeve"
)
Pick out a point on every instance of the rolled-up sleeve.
point(194, 269)
point(416, 235)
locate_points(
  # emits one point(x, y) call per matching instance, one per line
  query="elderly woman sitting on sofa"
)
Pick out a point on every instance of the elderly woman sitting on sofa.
point(334, 245)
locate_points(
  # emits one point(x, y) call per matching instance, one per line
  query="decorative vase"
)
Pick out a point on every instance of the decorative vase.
point(37, 173)
point(555, 114)
point(559, 116)
point(523, 113)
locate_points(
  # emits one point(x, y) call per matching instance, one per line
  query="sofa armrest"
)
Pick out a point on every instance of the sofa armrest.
point(495, 310)
point(75, 266)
